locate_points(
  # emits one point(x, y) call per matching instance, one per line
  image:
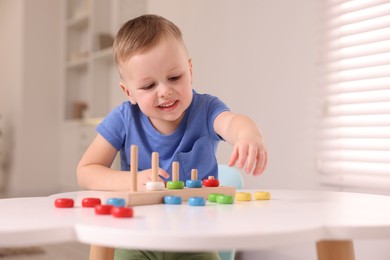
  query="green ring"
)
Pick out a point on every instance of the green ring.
point(175, 185)
point(212, 197)
point(225, 199)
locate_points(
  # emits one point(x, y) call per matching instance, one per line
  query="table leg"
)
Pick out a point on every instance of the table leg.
point(101, 253)
point(335, 250)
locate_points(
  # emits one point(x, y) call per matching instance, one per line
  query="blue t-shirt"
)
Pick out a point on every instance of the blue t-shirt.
point(193, 144)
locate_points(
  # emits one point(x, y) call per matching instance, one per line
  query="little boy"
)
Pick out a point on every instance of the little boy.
point(164, 114)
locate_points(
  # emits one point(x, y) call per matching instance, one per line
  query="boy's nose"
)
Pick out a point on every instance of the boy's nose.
point(165, 90)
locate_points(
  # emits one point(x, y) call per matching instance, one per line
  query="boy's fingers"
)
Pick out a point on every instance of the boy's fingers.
point(258, 169)
point(261, 164)
point(233, 157)
point(251, 159)
point(163, 173)
point(242, 155)
point(265, 160)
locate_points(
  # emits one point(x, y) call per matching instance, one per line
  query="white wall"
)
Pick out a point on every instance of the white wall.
point(11, 38)
point(260, 58)
point(31, 76)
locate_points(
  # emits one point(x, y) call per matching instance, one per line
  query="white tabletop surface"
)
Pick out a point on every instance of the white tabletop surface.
point(290, 216)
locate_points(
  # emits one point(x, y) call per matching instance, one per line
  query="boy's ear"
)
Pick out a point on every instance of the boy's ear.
point(190, 66)
point(128, 93)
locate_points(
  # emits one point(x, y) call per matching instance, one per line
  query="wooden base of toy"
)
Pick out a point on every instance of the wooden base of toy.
point(157, 197)
point(335, 250)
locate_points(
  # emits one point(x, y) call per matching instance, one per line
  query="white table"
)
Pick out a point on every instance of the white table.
point(289, 217)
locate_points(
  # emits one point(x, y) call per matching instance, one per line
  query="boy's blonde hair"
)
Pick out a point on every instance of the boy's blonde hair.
point(142, 33)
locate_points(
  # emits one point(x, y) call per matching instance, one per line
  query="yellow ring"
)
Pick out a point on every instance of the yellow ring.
point(262, 195)
point(243, 196)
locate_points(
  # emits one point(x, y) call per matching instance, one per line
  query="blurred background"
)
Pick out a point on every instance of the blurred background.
point(58, 79)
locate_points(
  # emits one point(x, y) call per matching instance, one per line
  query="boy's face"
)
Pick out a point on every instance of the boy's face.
point(159, 81)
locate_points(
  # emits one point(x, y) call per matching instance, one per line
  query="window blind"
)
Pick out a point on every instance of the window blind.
point(355, 127)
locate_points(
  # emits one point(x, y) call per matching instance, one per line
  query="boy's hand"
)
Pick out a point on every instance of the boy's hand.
point(250, 151)
point(146, 175)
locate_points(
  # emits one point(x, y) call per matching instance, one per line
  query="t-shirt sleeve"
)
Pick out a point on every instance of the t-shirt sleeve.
point(113, 128)
point(215, 107)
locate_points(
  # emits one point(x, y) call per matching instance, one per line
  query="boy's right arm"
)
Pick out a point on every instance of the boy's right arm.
point(94, 172)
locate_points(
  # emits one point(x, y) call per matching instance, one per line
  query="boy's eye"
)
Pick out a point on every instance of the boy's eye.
point(174, 78)
point(148, 86)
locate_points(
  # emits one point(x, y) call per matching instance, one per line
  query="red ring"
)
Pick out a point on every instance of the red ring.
point(122, 212)
point(210, 182)
point(103, 209)
point(90, 202)
point(64, 203)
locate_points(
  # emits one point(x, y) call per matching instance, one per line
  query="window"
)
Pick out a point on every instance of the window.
point(355, 126)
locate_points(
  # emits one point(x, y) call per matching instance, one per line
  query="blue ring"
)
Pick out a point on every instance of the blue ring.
point(173, 200)
point(194, 183)
point(116, 202)
point(196, 201)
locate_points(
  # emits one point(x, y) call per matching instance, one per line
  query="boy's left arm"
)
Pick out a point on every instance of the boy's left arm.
point(249, 148)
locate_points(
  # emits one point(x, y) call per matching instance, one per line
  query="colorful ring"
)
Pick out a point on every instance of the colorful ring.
point(210, 182)
point(64, 203)
point(155, 185)
point(116, 202)
point(262, 195)
point(194, 183)
point(212, 197)
point(90, 202)
point(122, 212)
point(103, 209)
point(173, 200)
point(175, 185)
point(225, 199)
point(243, 196)
point(196, 201)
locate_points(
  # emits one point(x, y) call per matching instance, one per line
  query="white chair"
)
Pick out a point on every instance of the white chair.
point(229, 176)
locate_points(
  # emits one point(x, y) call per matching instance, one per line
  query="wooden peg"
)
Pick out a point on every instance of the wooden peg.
point(154, 184)
point(175, 183)
point(175, 171)
point(133, 167)
point(155, 166)
point(194, 174)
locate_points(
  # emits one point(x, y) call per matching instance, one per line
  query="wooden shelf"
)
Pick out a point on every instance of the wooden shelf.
point(89, 74)
point(79, 21)
point(83, 20)
point(81, 63)
point(89, 121)
point(103, 54)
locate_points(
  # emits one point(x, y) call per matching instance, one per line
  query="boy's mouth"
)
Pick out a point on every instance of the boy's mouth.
point(169, 105)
